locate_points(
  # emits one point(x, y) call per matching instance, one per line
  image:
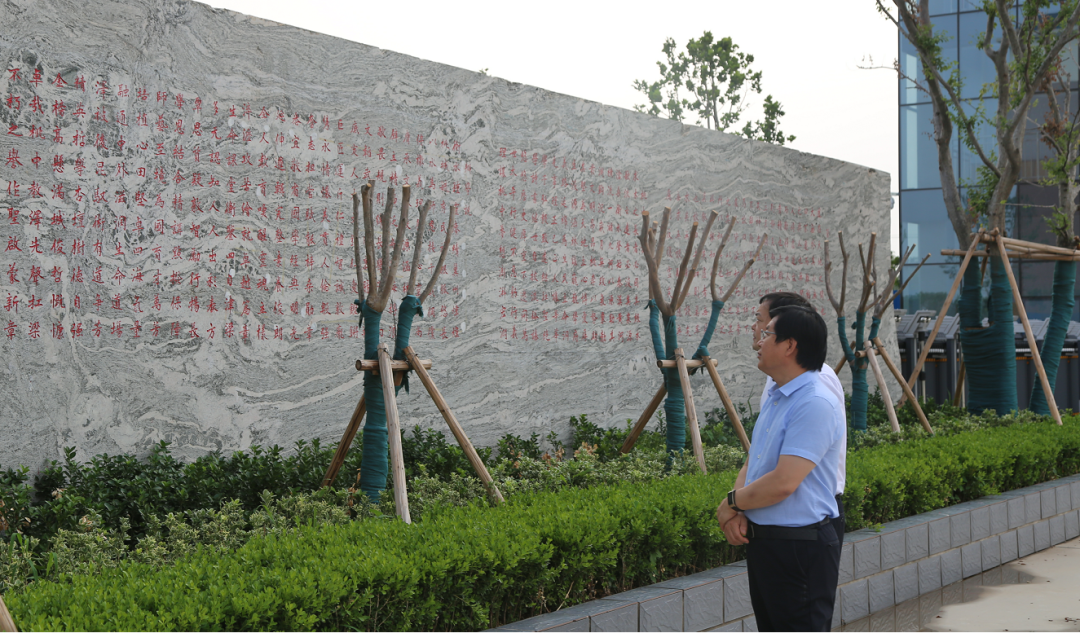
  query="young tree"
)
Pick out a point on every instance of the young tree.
point(712, 80)
point(1060, 130)
point(1024, 55)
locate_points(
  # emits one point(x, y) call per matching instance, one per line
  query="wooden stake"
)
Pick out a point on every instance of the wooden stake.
point(669, 363)
point(941, 316)
point(1032, 343)
point(959, 392)
point(691, 411)
point(840, 365)
point(646, 415)
point(345, 444)
point(451, 421)
point(393, 430)
point(729, 406)
point(6, 621)
point(903, 385)
point(396, 365)
point(881, 386)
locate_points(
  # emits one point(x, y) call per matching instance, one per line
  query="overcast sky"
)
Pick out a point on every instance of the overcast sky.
point(809, 53)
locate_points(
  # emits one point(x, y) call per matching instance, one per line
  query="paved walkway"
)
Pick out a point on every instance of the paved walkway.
point(1040, 592)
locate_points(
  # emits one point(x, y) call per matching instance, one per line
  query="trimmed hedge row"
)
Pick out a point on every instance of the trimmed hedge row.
point(461, 568)
point(475, 567)
point(886, 483)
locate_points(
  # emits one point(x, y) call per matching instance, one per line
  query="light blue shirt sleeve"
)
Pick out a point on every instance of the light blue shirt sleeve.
point(811, 431)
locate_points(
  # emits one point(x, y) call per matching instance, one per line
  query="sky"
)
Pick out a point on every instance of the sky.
point(809, 54)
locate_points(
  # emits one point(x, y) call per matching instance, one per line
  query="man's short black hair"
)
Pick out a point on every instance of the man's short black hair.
point(782, 299)
point(809, 331)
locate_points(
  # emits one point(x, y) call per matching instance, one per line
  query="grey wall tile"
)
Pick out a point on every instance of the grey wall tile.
point(1033, 506)
point(621, 617)
point(1025, 540)
point(858, 625)
point(991, 552)
point(837, 612)
point(952, 568)
point(1064, 498)
point(730, 626)
point(906, 582)
point(929, 574)
point(907, 616)
point(578, 626)
point(847, 564)
point(1042, 535)
point(1049, 503)
point(980, 523)
point(737, 597)
point(1072, 524)
point(960, 527)
point(880, 587)
point(855, 601)
point(893, 549)
point(1075, 493)
point(1017, 514)
point(940, 535)
point(1057, 529)
point(750, 624)
point(971, 559)
point(867, 557)
point(1009, 551)
point(918, 544)
point(703, 606)
point(884, 620)
point(664, 613)
point(999, 517)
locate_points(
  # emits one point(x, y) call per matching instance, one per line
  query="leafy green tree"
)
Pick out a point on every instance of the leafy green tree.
point(1024, 51)
point(712, 79)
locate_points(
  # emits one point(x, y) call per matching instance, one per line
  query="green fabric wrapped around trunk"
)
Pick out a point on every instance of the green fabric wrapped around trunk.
point(408, 309)
point(706, 338)
point(375, 463)
point(675, 404)
point(1060, 315)
point(859, 388)
point(989, 353)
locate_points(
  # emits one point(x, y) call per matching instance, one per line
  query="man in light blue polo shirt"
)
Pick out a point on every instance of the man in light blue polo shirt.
point(785, 495)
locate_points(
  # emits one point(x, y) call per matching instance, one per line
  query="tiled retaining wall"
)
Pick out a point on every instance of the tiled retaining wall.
point(883, 574)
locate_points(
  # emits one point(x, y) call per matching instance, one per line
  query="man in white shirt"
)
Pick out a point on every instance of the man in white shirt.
point(766, 310)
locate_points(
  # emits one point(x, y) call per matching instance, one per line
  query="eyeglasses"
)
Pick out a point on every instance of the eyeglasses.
point(765, 334)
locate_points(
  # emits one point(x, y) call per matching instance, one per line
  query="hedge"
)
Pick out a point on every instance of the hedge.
point(463, 568)
point(476, 567)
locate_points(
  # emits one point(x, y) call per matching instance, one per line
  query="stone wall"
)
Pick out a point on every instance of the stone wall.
point(178, 240)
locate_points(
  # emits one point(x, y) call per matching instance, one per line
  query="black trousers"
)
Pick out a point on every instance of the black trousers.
point(793, 583)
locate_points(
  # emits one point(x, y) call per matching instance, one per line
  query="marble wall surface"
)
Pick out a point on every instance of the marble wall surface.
point(177, 227)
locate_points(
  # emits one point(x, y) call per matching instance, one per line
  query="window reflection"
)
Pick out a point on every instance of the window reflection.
point(918, 151)
point(929, 286)
point(924, 223)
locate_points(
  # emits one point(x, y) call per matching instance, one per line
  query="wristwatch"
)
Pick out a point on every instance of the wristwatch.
point(731, 501)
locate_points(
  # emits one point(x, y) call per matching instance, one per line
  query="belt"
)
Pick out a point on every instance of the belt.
point(805, 533)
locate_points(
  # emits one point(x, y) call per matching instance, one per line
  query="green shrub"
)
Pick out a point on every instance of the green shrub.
point(462, 568)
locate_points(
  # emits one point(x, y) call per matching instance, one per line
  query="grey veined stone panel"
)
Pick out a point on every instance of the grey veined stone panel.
point(183, 270)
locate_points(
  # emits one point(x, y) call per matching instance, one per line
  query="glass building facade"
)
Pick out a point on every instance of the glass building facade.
point(923, 220)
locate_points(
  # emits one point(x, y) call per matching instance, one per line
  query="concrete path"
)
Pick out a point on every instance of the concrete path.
point(1040, 592)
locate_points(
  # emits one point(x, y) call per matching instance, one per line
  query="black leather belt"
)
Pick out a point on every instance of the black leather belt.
point(805, 533)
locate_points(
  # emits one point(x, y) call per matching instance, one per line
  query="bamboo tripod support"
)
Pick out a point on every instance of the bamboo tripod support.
point(391, 377)
point(941, 315)
point(1005, 247)
point(682, 364)
point(7, 624)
